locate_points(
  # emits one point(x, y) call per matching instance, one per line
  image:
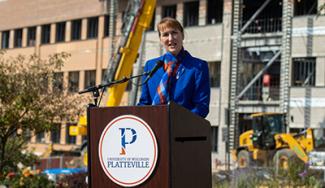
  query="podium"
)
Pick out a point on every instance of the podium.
point(183, 139)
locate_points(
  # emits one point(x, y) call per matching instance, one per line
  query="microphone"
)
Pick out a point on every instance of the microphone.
point(89, 89)
point(154, 70)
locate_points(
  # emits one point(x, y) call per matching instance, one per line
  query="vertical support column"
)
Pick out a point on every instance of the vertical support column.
point(233, 125)
point(308, 92)
point(113, 15)
point(38, 40)
point(65, 82)
point(84, 26)
point(158, 15)
point(101, 27)
point(53, 33)
point(11, 38)
point(224, 91)
point(0, 40)
point(137, 69)
point(62, 134)
point(47, 138)
point(203, 12)
point(68, 31)
point(24, 39)
point(320, 76)
point(99, 49)
point(180, 12)
point(64, 128)
point(112, 24)
point(286, 56)
point(79, 140)
point(81, 80)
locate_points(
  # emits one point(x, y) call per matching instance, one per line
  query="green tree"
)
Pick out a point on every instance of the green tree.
point(28, 104)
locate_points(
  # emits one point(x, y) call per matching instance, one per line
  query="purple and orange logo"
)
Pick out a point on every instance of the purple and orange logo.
point(128, 150)
point(128, 136)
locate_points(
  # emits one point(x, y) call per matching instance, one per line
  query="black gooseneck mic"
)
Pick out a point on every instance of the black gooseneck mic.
point(154, 70)
point(95, 89)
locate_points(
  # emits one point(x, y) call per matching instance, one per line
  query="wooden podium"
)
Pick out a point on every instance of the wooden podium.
point(184, 146)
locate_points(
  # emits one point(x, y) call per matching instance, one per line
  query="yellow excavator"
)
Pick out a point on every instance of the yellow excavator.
point(267, 143)
point(137, 19)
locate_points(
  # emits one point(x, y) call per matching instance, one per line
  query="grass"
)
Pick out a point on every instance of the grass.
point(296, 176)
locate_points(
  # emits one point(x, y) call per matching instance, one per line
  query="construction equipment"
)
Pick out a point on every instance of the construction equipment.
point(267, 143)
point(137, 19)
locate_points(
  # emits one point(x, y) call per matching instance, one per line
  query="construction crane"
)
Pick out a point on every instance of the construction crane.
point(136, 20)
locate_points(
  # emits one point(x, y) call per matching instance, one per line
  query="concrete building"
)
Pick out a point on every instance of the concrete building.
point(286, 37)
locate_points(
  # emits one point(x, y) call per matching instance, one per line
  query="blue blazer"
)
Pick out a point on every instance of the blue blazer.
point(190, 88)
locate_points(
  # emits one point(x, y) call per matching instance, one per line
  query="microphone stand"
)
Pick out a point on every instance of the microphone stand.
point(95, 93)
point(95, 89)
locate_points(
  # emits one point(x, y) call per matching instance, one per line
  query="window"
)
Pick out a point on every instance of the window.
point(268, 20)
point(214, 72)
point(5, 39)
point(169, 11)
point(56, 134)
point(215, 11)
point(305, 7)
point(319, 137)
point(31, 36)
point(40, 137)
point(106, 26)
point(90, 78)
point(214, 138)
point(304, 71)
point(46, 34)
point(191, 13)
point(69, 139)
point(92, 30)
point(60, 32)
point(58, 82)
point(18, 38)
point(76, 30)
point(73, 84)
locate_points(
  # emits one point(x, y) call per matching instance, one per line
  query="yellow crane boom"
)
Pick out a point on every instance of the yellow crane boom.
point(122, 62)
point(129, 52)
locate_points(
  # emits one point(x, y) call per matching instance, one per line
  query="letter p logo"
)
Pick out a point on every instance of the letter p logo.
point(128, 136)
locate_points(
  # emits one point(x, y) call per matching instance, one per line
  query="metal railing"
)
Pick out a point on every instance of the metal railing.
point(260, 93)
point(265, 25)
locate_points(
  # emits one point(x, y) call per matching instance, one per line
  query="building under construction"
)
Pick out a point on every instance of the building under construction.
point(263, 56)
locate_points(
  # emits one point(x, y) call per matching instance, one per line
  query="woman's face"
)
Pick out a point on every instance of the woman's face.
point(172, 40)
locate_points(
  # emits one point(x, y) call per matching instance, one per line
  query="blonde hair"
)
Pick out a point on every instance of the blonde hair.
point(169, 22)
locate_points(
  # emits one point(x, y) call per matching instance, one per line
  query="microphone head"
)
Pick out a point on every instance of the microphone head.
point(155, 68)
point(160, 63)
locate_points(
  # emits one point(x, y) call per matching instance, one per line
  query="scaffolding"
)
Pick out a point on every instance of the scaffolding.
point(256, 24)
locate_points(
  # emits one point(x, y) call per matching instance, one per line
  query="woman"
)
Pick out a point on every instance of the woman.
point(182, 78)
